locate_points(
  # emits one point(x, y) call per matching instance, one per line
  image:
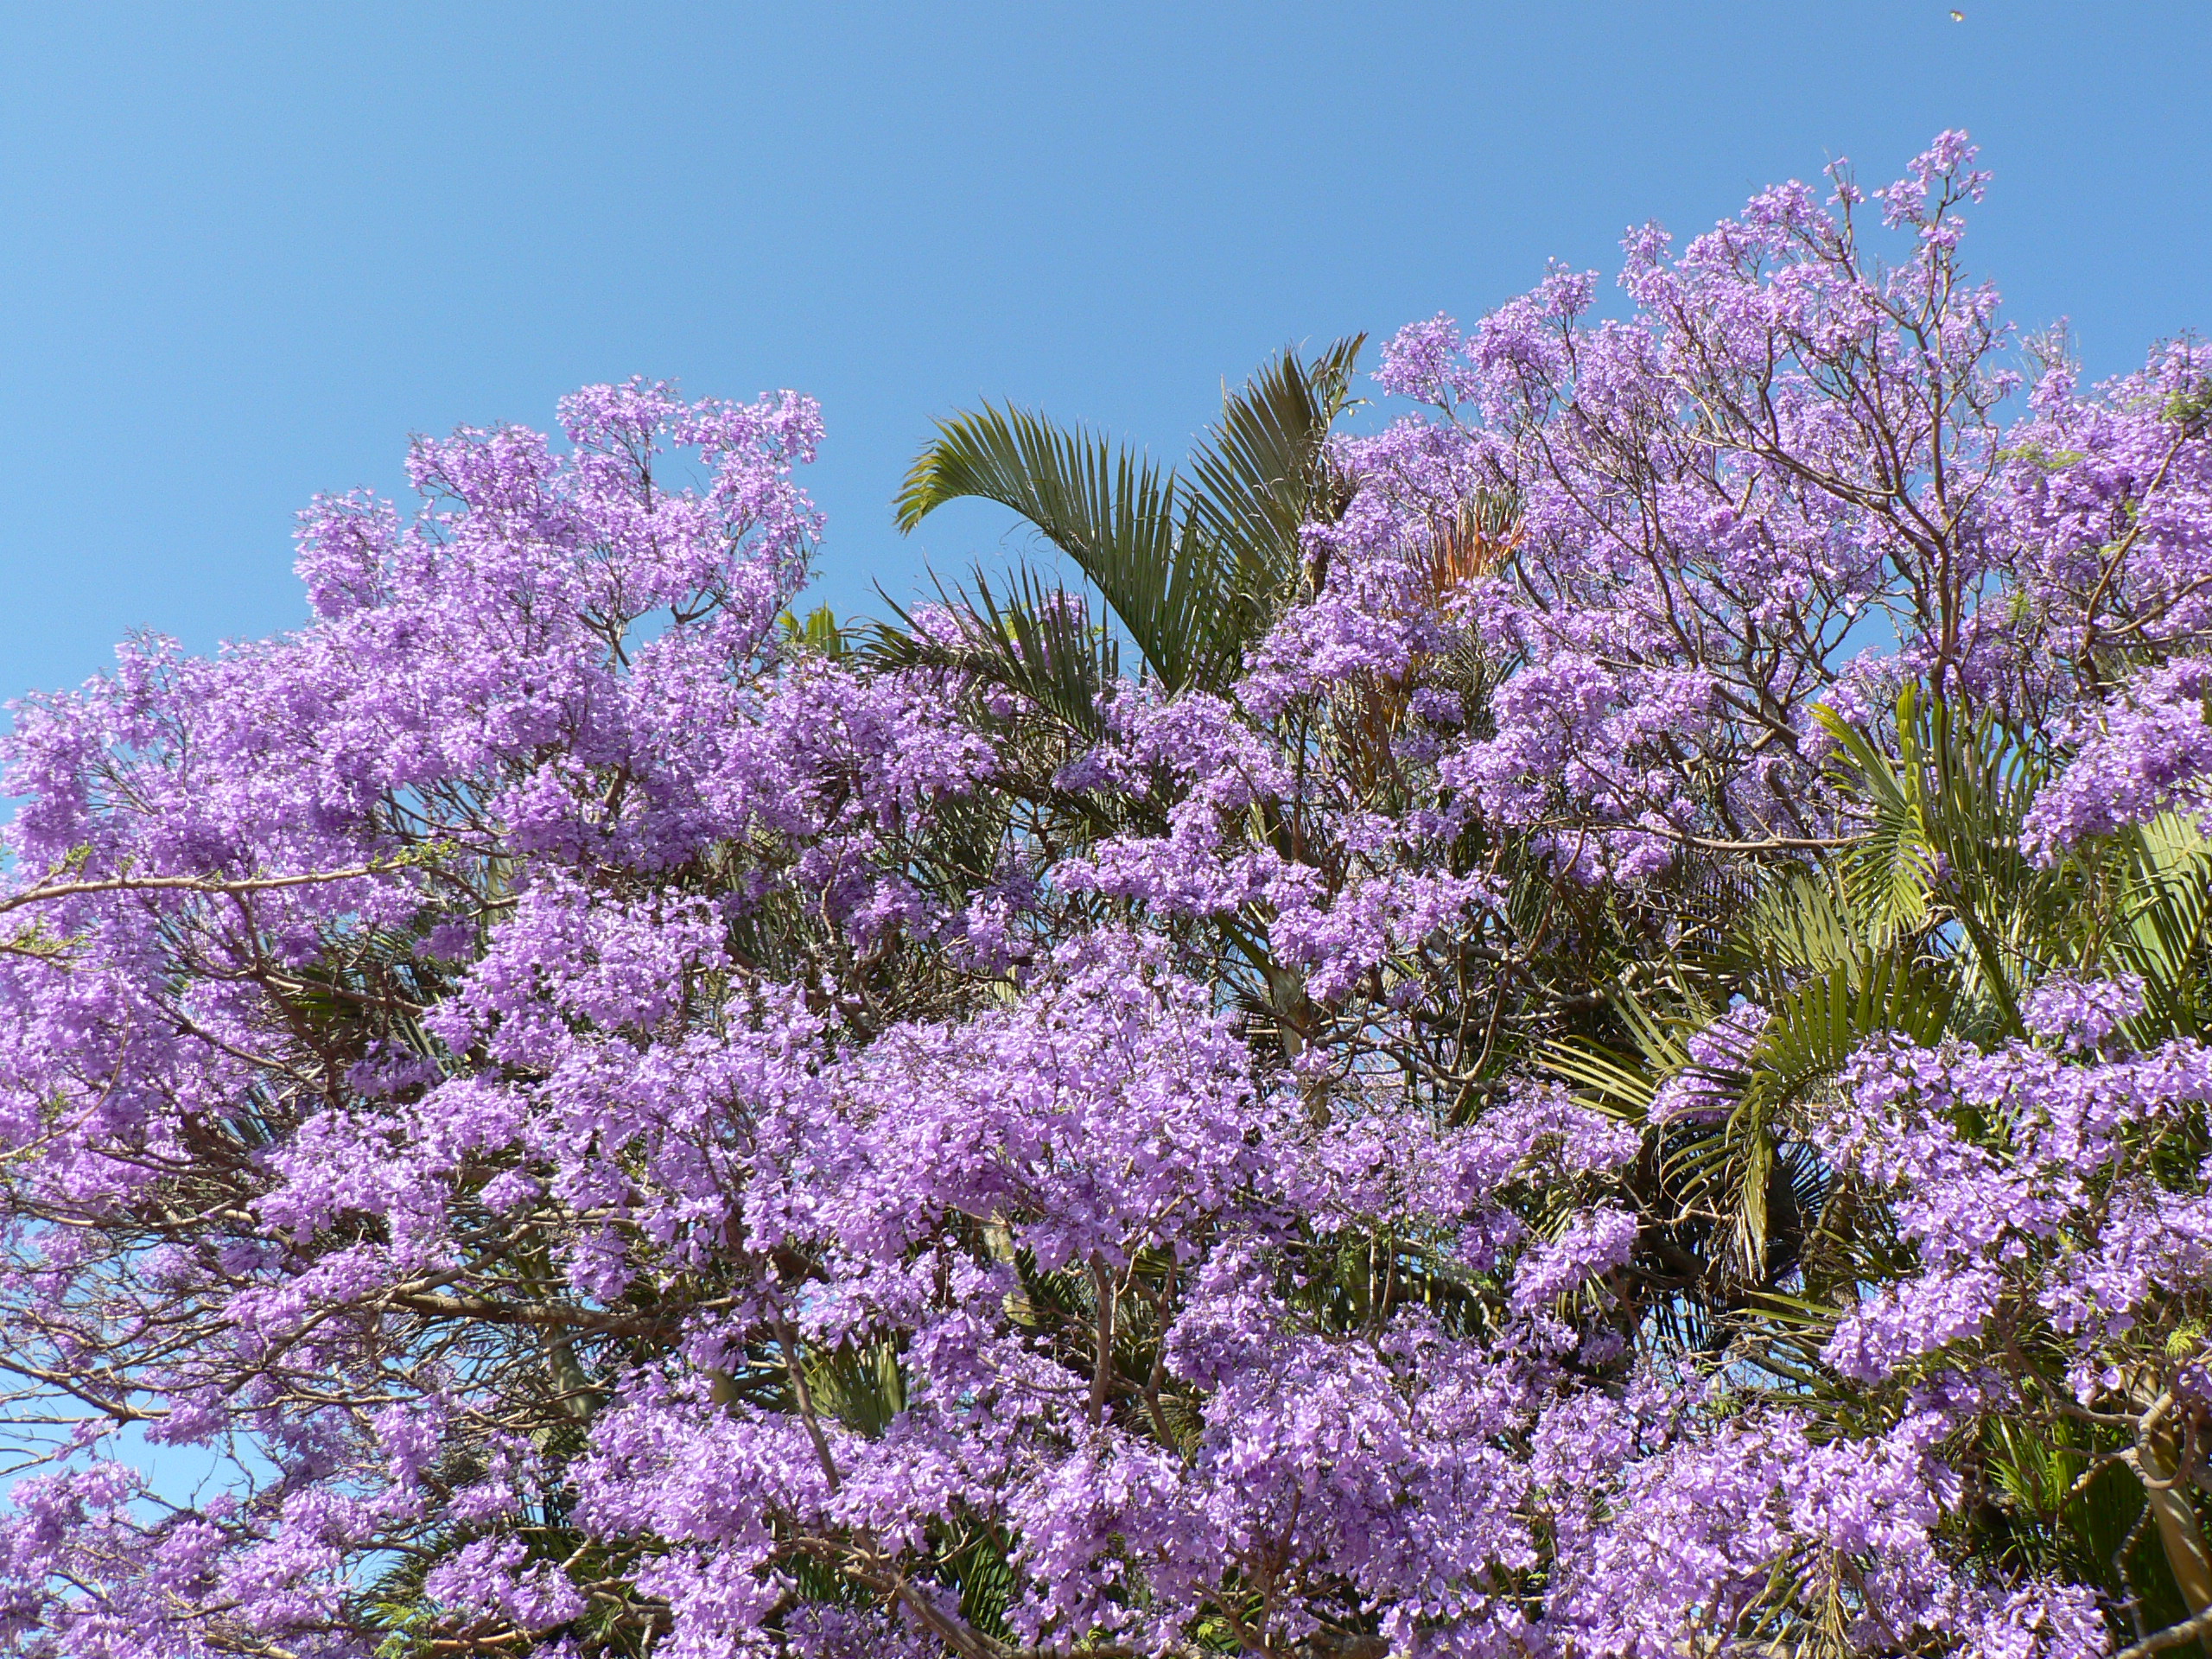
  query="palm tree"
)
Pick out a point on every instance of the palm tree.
point(1931, 922)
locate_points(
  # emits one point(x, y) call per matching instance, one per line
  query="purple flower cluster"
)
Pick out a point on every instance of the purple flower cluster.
point(2037, 1187)
point(622, 1128)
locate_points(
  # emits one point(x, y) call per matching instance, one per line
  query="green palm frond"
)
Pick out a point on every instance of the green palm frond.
point(817, 636)
point(1662, 1038)
point(1114, 513)
point(1027, 636)
point(1804, 920)
point(1809, 1033)
point(2062, 1517)
point(1604, 1078)
point(981, 1564)
point(1813, 1030)
point(1943, 848)
point(1263, 472)
point(1745, 1173)
point(860, 1385)
point(2164, 930)
point(1194, 570)
point(1889, 871)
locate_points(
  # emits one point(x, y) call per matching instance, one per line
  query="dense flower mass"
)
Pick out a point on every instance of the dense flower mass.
point(1598, 1048)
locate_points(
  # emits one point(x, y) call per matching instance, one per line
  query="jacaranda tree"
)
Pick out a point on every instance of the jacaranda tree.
point(1594, 1047)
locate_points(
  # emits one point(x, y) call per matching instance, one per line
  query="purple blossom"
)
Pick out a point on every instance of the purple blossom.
point(641, 1120)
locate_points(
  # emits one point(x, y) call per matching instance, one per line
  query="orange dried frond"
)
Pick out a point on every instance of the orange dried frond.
point(1480, 535)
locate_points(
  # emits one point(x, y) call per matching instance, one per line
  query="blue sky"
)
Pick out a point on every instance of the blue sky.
point(245, 251)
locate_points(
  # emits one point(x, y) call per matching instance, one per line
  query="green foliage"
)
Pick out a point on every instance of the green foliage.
point(819, 636)
point(1193, 568)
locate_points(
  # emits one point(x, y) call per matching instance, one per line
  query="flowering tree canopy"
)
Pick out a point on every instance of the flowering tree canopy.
point(1596, 1046)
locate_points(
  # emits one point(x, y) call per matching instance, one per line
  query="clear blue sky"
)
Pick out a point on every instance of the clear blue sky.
point(245, 251)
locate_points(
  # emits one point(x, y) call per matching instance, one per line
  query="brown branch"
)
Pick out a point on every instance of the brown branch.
point(2172, 1637)
point(185, 884)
